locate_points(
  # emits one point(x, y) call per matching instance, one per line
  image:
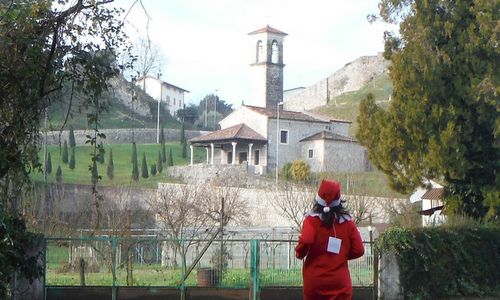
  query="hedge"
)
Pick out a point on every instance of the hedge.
point(442, 262)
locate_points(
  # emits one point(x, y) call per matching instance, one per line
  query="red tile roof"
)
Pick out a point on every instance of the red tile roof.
point(268, 29)
point(327, 135)
point(237, 132)
point(433, 194)
point(285, 114)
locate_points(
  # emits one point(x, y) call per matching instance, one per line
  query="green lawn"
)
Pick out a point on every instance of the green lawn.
point(122, 154)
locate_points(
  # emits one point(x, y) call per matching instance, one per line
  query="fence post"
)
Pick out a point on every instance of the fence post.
point(254, 270)
point(113, 267)
point(375, 275)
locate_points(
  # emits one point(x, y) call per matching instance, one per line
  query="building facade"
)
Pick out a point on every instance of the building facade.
point(171, 95)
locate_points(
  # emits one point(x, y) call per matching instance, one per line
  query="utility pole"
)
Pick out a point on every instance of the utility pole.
point(159, 101)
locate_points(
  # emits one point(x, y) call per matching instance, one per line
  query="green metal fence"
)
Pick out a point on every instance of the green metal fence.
point(151, 261)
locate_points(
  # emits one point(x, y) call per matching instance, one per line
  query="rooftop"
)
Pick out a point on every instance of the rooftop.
point(268, 29)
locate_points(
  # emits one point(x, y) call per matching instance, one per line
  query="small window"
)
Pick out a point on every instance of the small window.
point(311, 153)
point(284, 137)
point(256, 157)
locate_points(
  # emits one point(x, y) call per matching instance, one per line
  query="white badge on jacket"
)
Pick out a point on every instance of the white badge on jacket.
point(334, 245)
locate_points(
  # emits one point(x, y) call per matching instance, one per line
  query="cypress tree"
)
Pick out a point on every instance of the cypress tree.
point(162, 135)
point(160, 163)
point(102, 152)
point(72, 142)
point(144, 167)
point(182, 134)
point(59, 174)
point(135, 167)
point(163, 152)
point(134, 153)
point(48, 164)
point(65, 152)
point(72, 159)
point(170, 160)
point(153, 169)
point(184, 150)
point(95, 172)
point(111, 168)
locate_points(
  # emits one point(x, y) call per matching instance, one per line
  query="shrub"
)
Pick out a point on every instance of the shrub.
point(300, 171)
point(444, 262)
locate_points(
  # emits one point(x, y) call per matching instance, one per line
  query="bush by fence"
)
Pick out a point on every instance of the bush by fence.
point(445, 262)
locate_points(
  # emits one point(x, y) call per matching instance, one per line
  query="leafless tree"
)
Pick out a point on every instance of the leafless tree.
point(294, 202)
point(360, 207)
point(148, 56)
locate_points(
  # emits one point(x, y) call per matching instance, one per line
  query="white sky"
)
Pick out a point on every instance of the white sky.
point(205, 45)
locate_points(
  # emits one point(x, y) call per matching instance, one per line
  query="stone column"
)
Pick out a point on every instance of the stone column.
point(191, 148)
point(213, 152)
point(234, 152)
point(206, 149)
point(250, 154)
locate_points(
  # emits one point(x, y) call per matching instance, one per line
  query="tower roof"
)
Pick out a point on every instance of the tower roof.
point(268, 29)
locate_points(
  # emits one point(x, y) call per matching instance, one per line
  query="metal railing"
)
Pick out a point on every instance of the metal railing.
point(151, 261)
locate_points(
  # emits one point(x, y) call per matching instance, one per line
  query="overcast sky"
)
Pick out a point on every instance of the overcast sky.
point(205, 44)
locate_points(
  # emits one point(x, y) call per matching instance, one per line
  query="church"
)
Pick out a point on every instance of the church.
point(266, 136)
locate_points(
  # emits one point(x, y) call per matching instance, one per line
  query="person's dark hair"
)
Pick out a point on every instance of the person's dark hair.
point(328, 218)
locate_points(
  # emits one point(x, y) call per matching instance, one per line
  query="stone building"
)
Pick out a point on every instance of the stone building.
point(163, 91)
point(266, 136)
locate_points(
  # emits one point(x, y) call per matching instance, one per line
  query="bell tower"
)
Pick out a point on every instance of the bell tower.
point(267, 66)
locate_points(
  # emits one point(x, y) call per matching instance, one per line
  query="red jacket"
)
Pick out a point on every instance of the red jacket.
point(326, 274)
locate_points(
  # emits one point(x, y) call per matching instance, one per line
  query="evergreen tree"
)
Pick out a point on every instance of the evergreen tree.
point(160, 163)
point(72, 162)
point(182, 134)
point(134, 153)
point(163, 152)
point(162, 135)
point(170, 160)
point(111, 167)
point(144, 167)
point(443, 120)
point(48, 164)
point(102, 153)
point(184, 150)
point(72, 142)
point(153, 169)
point(94, 172)
point(59, 174)
point(65, 152)
point(135, 167)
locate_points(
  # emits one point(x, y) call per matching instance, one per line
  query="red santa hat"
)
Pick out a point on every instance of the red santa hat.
point(328, 194)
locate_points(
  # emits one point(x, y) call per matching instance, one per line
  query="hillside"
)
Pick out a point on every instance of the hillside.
point(129, 107)
point(346, 105)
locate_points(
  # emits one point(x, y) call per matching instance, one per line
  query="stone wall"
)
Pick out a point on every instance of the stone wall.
point(123, 136)
point(351, 77)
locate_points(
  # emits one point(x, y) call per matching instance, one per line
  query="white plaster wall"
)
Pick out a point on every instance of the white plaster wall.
point(316, 163)
point(245, 115)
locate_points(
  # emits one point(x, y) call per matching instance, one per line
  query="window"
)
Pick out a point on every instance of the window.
point(256, 157)
point(174, 101)
point(275, 52)
point(229, 157)
point(260, 52)
point(311, 153)
point(284, 137)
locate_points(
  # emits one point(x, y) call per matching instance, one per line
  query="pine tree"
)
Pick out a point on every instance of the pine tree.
point(59, 174)
point(65, 152)
point(72, 142)
point(102, 153)
point(153, 169)
point(160, 163)
point(95, 172)
point(72, 162)
point(111, 168)
point(170, 160)
point(144, 167)
point(135, 167)
point(163, 153)
point(48, 164)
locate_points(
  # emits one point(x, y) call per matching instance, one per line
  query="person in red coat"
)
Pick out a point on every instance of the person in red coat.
point(329, 238)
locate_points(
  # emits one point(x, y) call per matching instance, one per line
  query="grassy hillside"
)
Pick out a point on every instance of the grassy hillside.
point(345, 106)
point(117, 116)
point(122, 164)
